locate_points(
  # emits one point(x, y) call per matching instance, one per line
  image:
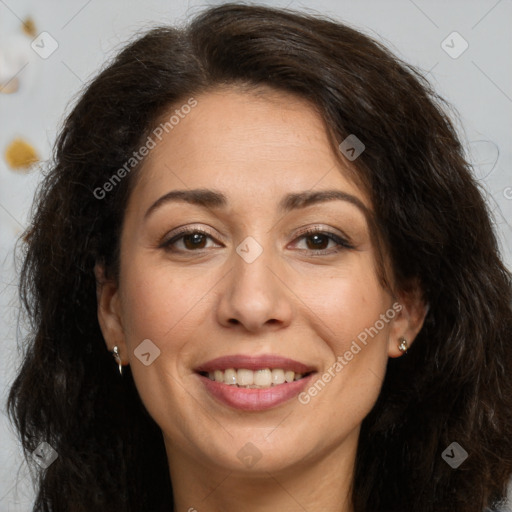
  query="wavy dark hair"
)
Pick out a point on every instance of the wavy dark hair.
point(455, 383)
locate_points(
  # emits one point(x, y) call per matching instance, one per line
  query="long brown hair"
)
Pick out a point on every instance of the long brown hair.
point(455, 385)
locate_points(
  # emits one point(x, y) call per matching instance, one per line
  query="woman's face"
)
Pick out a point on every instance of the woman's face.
point(224, 277)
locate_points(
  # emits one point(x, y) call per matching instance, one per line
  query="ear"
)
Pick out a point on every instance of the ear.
point(109, 312)
point(411, 312)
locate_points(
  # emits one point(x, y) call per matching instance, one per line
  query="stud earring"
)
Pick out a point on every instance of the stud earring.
point(117, 357)
point(403, 346)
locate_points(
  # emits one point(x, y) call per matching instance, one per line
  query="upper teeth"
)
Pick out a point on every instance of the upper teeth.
point(254, 379)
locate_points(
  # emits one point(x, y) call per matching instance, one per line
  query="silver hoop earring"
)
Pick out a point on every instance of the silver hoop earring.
point(117, 357)
point(403, 346)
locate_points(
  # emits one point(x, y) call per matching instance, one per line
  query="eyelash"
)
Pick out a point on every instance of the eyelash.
point(342, 243)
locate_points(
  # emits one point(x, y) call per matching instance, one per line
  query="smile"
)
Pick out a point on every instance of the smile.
point(254, 383)
point(249, 379)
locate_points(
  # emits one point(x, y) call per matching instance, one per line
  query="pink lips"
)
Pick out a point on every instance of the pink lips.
point(247, 399)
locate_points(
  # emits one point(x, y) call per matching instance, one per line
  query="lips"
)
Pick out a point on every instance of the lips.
point(254, 397)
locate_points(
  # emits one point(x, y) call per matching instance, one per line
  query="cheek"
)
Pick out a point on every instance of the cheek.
point(348, 303)
point(163, 307)
point(350, 308)
point(355, 352)
point(158, 304)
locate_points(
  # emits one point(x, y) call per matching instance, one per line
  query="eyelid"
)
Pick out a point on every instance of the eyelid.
point(342, 241)
point(184, 230)
point(318, 228)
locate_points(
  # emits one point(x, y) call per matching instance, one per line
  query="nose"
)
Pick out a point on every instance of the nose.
point(255, 295)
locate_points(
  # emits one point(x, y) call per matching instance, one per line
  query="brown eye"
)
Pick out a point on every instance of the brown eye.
point(317, 242)
point(187, 241)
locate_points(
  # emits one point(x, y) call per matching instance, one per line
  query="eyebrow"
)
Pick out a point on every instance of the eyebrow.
point(217, 200)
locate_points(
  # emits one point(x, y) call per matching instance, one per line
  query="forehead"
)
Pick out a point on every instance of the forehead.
point(254, 146)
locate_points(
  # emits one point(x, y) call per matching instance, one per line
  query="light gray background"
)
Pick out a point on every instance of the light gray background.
point(478, 84)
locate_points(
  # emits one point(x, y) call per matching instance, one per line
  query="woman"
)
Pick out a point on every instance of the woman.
point(265, 221)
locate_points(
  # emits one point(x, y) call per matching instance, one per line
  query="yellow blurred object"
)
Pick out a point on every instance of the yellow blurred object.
point(29, 27)
point(20, 155)
point(9, 87)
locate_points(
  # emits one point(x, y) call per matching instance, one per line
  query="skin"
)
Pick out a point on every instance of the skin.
point(199, 304)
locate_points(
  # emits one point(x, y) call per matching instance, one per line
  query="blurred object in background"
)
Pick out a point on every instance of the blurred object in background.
point(29, 27)
point(15, 54)
point(20, 155)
